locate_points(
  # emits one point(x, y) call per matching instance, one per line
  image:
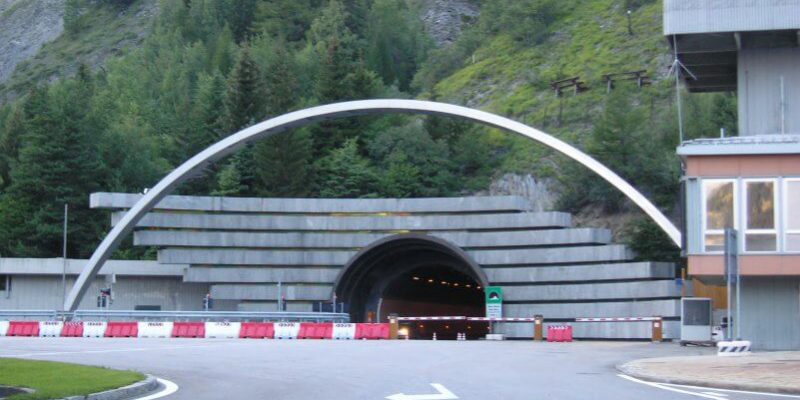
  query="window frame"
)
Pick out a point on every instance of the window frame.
point(776, 207)
point(704, 210)
point(786, 231)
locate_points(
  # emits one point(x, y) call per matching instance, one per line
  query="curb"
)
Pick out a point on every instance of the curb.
point(711, 384)
point(147, 385)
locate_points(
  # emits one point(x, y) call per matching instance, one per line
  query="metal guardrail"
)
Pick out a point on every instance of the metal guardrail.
point(136, 315)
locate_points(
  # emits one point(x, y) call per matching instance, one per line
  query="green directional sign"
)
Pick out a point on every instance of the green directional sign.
point(494, 301)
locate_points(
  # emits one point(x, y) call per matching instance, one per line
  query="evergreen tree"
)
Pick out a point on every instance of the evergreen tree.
point(286, 19)
point(244, 106)
point(58, 164)
point(345, 174)
point(244, 96)
point(10, 138)
point(282, 162)
point(240, 18)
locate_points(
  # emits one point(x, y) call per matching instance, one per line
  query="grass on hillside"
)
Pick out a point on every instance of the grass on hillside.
point(53, 380)
point(592, 39)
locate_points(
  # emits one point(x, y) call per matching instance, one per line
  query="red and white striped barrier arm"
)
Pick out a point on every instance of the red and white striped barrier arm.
point(501, 319)
point(452, 318)
point(619, 319)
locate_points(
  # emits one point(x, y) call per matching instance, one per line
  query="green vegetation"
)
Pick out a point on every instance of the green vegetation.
point(209, 68)
point(53, 380)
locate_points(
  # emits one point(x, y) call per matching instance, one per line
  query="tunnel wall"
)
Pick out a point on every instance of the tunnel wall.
point(242, 247)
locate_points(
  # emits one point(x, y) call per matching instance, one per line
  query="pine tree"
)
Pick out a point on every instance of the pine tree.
point(282, 162)
point(345, 174)
point(58, 164)
point(240, 18)
point(12, 133)
point(244, 106)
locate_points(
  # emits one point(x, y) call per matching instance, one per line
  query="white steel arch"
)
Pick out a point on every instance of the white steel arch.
point(234, 142)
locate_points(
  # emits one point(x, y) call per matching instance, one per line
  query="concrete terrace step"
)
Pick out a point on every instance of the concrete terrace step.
point(593, 291)
point(581, 254)
point(260, 275)
point(547, 237)
point(643, 308)
point(270, 292)
point(573, 273)
point(248, 222)
point(228, 256)
point(316, 206)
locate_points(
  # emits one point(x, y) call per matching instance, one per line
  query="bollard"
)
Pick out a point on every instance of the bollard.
point(393, 326)
point(537, 327)
point(434, 335)
point(658, 327)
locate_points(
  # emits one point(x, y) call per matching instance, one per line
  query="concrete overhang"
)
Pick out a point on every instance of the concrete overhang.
point(707, 35)
point(741, 145)
point(55, 266)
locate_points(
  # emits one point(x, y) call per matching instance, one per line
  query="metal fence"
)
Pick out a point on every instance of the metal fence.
point(136, 315)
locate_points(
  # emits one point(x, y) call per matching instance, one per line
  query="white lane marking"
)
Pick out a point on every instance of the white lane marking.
point(169, 388)
point(789, 396)
point(672, 389)
point(443, 394)
point(715, 394)
point(59, 353)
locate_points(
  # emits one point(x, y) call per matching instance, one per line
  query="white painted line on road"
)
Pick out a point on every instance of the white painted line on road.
point(443, 394)
point(169, 388)
point(715, 394)
point(672, 389)
point(788, 396)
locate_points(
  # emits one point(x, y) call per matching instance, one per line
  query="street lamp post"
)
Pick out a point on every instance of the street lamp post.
point(630, 28)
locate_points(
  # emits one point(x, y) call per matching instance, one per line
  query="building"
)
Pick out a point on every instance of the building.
point(751, 182)
point(374, 257)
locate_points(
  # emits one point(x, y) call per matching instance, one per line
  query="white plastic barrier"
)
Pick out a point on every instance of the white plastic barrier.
point(94, 329)
point(50, 328)
point(154, 329)
point(733, 348)
point(3, 328)
point(223, 329)
point(344, 331)
point(287, 330)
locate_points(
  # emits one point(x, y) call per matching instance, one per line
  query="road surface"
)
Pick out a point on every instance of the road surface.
point(374, 370)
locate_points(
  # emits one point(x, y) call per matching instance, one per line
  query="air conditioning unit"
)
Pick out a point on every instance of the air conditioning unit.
point(696, 320)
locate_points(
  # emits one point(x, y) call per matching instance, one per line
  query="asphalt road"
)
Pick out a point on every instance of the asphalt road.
point(373, 370)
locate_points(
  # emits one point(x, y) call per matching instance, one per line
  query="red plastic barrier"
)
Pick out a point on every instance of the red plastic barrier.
point(72, 329)
point(568, 333)
point(310, 330)
point(122, 329)
point(372, 331)
point(257, 330)
point(559, 333)
point(23, 328)
point(189, 329)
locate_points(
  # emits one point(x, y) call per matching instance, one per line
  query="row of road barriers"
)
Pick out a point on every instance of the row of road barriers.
point(555, 332)
point(166, 316)
point(183, 329)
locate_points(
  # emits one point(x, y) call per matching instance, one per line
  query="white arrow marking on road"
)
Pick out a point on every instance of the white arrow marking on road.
point(443, 394)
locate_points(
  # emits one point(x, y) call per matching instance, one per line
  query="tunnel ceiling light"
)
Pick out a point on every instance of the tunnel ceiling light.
point(444, 283)
point(469, 286)
point(430, 280)
point(416, 278)
point(455, 284)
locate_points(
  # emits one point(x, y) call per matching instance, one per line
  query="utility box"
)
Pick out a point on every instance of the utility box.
point(696, 320)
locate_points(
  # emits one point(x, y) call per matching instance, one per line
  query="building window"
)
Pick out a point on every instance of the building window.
point(718, 212)
point(791, 206)
point(5, 281)
point(760, 233)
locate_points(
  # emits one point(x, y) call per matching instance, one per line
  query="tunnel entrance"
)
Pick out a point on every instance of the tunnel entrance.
point(414, 275)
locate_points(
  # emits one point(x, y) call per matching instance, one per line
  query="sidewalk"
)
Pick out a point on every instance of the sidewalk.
point(776, 372)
